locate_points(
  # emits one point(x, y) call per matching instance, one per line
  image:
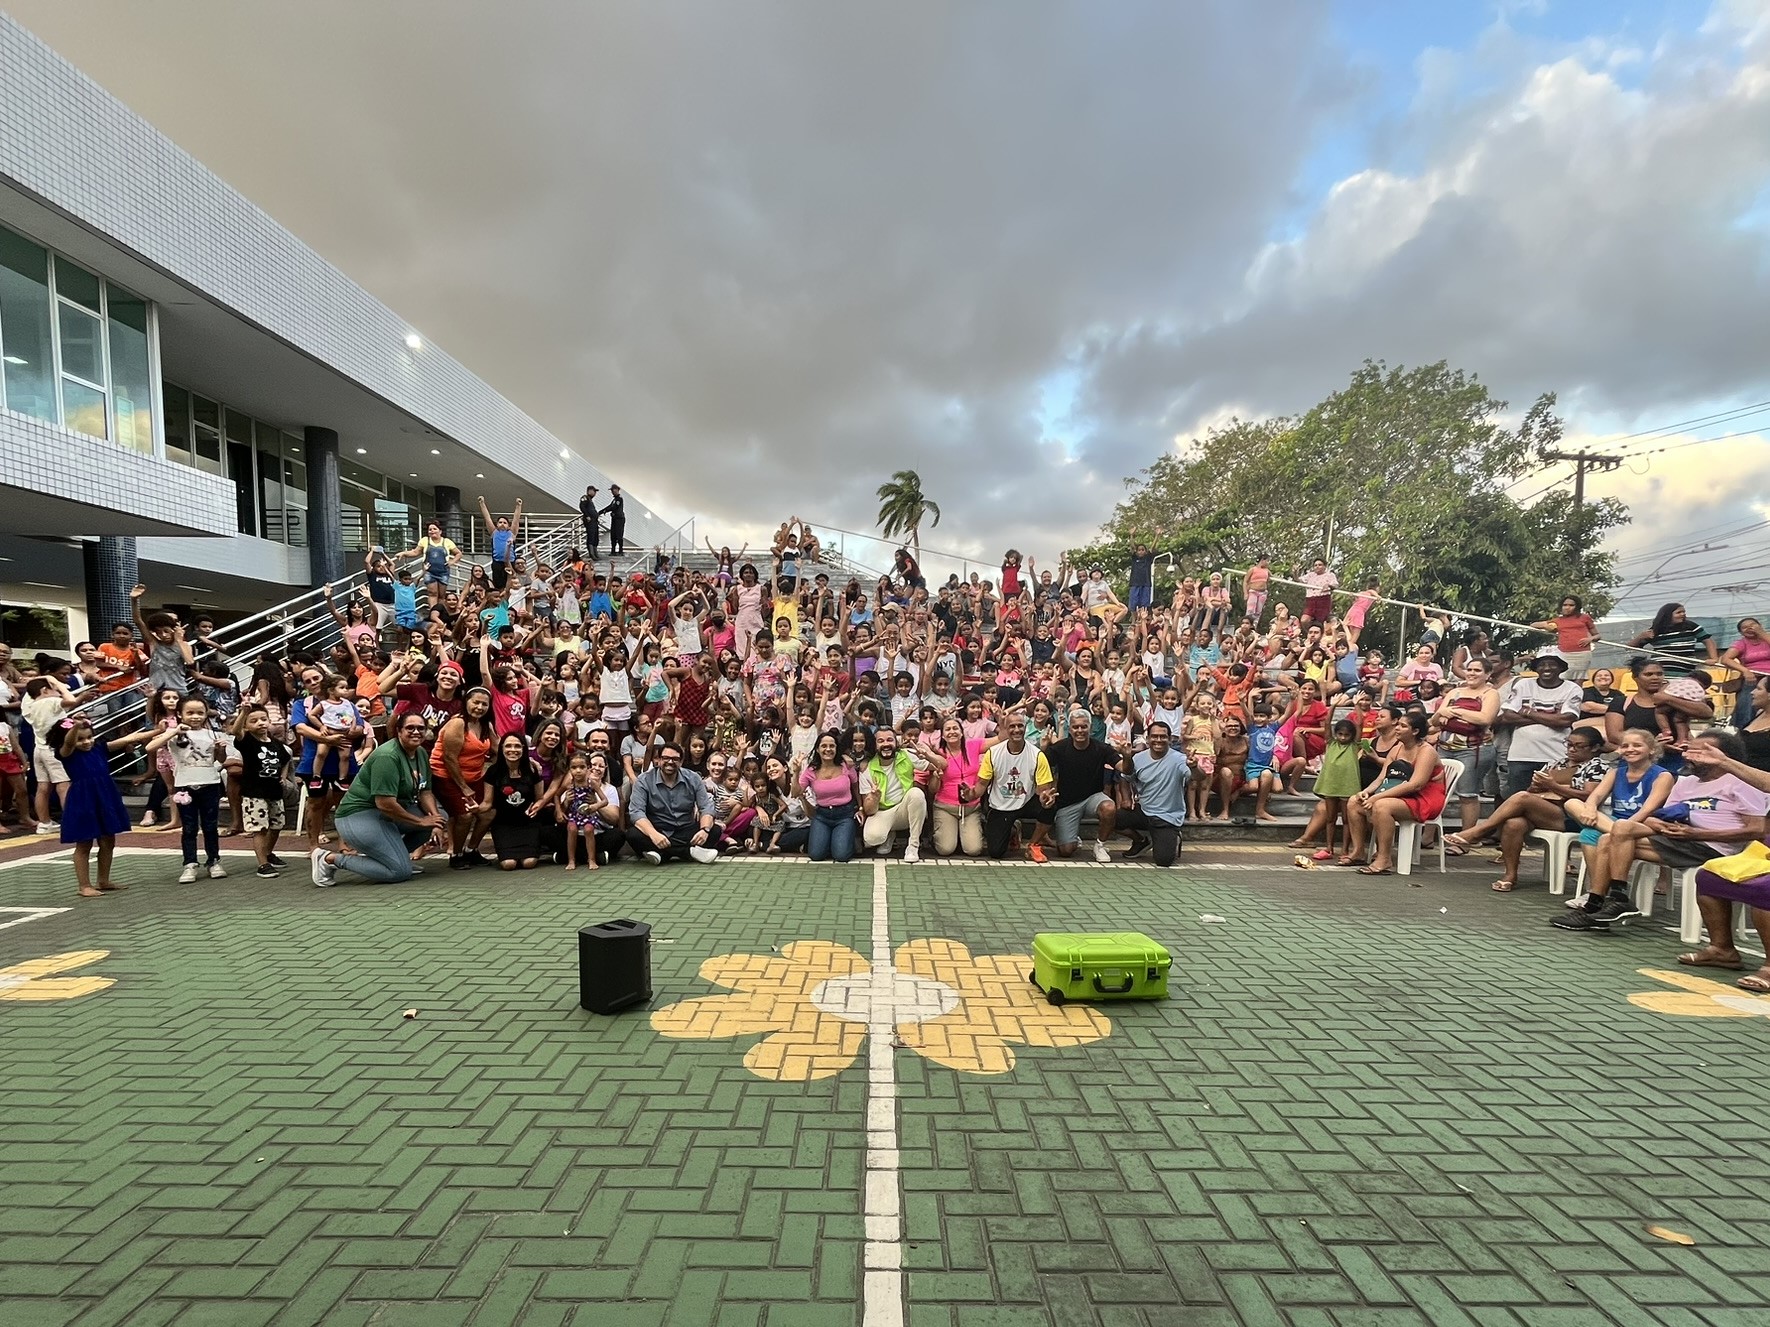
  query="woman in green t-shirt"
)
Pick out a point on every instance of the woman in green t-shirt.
point(388, 811)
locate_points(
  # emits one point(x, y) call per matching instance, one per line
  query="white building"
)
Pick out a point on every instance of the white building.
point(191, 395)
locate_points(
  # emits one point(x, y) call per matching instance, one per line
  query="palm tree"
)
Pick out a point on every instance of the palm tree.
point(903, 508)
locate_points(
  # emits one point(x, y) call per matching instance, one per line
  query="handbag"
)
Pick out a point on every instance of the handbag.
point(1753, 862)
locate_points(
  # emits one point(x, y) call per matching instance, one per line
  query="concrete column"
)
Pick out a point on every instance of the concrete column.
point(325, 530)
point(448, 512)
point(111, 573)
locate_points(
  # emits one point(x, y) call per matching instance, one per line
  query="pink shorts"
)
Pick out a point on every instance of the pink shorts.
point(1206, 765)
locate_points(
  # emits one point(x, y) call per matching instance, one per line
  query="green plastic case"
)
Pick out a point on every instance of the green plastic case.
point(1099, 965)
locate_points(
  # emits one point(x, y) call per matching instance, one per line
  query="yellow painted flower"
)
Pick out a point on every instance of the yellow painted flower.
point(1699, 998)
point(33, 980)
point(816, 1001)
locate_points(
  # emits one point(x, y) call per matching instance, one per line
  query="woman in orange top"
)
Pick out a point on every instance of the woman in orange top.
point(458, 769)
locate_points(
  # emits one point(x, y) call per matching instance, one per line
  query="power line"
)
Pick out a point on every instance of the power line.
point(1719, 416)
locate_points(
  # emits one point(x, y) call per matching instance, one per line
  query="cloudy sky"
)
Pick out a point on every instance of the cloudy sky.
point(752, 257)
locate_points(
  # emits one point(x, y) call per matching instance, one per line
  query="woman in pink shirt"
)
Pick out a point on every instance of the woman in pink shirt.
point(831, 781)
point(958, 819)
point(1750, 657)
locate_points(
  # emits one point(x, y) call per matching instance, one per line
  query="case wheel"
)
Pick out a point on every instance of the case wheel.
point(1032, 976)
point(1054, 996)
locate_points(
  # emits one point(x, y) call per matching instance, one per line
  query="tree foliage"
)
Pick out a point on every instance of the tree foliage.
point(1400, 475)
point(903, 507)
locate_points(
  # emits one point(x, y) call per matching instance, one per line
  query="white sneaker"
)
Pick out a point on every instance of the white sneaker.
point(912, 853)
point(188, 876)
point(1101, 854)
point(703, 855)
point(325, 874)
point(653, 856)
point(217, 871)
point(147, 821)
point(48, 827)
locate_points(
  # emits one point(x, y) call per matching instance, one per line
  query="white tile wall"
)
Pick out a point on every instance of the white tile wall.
point(69, 141)
point(99, 474)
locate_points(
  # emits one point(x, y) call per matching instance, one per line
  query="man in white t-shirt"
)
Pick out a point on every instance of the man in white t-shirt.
point(1015, 772)
point(1539, 710)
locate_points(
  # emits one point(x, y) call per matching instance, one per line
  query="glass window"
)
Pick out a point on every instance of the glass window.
point(35, 627)
point(177, 405)
point(76, 283)
point(26, 352)
point(239, 429)
point(206, 434)
point(82, 354)
point(132, 388)
point(270, 487)
point(83, 408)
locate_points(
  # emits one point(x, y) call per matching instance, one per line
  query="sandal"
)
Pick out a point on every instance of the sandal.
point(1710, 958)
point(1346, 860)
point(1322, 855)
point(1755, 984)
point(1301, 843)
point(1503, 886)
point(1453, 849)
point(1372, 870)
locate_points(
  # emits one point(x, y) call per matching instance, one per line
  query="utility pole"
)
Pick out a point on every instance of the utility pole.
point(1583, 461)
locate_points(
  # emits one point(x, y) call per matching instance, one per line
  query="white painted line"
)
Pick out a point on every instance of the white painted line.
point(882, 1288)
point(30, 915)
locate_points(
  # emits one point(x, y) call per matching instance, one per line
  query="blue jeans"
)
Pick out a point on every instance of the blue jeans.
point(1140, 596)
point(381, 853)
point(832, 834)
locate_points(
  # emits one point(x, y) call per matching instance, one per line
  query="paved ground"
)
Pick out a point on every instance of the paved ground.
point(1364, 1104)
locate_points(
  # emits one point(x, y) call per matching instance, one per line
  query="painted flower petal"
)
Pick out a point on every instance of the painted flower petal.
point(55, 988)
point(712, 1017)
point(798, 969)
point(1687, 1004)
point(997, 1007)
point(1688, 982)
point(819, 1048)
point(42, 967)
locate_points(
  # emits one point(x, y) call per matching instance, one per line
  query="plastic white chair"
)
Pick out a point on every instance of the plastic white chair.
point(1643, 880)
point(1557, 845)
point(1409, 836)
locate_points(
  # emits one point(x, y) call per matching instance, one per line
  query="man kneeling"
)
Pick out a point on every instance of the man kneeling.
point(1158, 777)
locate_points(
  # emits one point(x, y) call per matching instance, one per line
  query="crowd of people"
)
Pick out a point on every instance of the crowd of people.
point(571, 714)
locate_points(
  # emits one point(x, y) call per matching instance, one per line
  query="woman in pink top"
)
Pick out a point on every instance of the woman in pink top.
point(958, 818)
point(1750, 657)
point(831, 781)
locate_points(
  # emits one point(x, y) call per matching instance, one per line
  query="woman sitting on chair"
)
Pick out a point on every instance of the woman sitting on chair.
point(1406, 788)
point(1542, 805)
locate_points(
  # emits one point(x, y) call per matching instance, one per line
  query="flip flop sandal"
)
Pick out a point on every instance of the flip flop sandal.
point(1694, 960)
point(1454, 849)
point(1755, 984)
point(1371, 870)
point(1503, 886)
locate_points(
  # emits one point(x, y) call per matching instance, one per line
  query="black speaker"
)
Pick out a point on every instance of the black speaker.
point(614, 966)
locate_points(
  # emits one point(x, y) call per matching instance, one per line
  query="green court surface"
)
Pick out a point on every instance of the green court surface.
point(1364, 1104)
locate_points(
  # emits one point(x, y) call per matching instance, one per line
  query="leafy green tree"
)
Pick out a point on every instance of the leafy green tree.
point(1400, 476)
point(903, 507)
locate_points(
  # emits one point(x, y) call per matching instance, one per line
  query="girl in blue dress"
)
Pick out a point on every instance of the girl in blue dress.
point(92, 810)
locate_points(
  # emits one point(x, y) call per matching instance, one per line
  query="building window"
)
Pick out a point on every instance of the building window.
point(27, 355)
point(177, 407)
point(36, 627)
point(76, 350)
point(206, 433)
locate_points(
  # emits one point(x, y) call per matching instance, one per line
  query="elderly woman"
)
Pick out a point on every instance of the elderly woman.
point(1541, 806)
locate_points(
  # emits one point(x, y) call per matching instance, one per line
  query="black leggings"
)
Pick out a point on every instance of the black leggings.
point(204, 808)
point(998, 829)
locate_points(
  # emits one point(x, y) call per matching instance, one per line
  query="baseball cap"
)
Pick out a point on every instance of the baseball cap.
point(452, 667)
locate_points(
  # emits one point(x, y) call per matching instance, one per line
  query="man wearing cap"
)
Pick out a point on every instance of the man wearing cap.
point(1538, 710)
point(592, 527)
point(616, 511)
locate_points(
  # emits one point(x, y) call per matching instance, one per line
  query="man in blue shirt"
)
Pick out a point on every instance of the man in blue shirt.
point(1158, 777)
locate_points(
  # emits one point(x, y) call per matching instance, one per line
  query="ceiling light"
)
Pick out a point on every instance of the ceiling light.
point(564, 455)
point(479, 476)
point(414, 474)
point(414, 341)
point(14, 359)
point(436, 451)
point(5, 559)
point(41, 585)
point(362, 451)
point(197, 589)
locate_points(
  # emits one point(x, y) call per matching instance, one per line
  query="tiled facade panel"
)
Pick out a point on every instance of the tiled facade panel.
point(67, 140)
